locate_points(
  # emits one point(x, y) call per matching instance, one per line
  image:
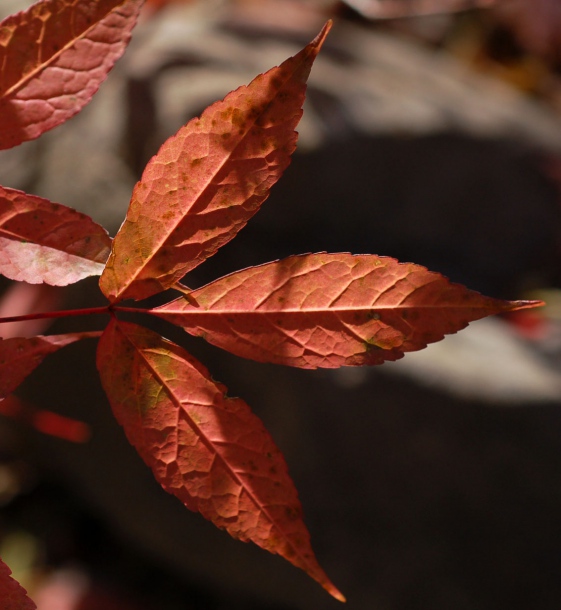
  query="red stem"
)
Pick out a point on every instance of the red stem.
point(129, 309)
point(57, 314)
point(67, 313)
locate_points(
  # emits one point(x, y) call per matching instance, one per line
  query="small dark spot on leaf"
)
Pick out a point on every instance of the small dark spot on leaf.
point(292, 514)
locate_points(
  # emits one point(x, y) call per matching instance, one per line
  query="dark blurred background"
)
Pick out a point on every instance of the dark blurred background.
point(430, 483)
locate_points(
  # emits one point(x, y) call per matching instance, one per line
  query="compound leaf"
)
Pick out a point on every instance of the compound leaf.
point(20, 356)
point(208, 180)
point(42, 241)
point(53, 57)
point(207, 449)
point(330, 310)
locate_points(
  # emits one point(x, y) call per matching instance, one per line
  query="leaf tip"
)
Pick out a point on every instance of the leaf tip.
point(321, 577)
point(517, 305)
point(334, 592)
point(318, 41)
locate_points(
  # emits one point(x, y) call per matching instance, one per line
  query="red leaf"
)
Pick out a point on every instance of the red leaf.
point(12, 595)
point(207, 449)
point(45, 421)
point(53, 57)
point(330, 310)
point(41, 241)
point(22, 299)
point(208, 180)
point(19, 357)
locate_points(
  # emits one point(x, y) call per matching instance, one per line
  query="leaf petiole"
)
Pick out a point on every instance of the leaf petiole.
point(88, 311)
